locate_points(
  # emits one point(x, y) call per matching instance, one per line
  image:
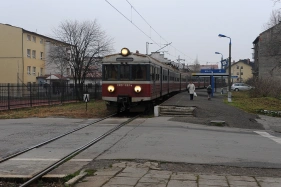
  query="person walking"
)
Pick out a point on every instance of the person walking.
point(209, 91)
point(191, 89)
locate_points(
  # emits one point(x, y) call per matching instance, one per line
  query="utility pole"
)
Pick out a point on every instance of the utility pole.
point(179, 60)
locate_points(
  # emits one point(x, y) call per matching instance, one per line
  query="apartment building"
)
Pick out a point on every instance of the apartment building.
point(267, 53)
point(241, 70)
point(23, 55)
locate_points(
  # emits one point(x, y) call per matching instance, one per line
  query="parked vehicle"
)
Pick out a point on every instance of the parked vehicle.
point(240, 86)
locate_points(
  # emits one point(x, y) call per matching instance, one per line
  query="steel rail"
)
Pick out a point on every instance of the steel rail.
point(51, 140)
point(74, 153)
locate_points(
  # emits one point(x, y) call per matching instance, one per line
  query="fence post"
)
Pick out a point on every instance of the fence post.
point(38, 93)
point(61, 93)
point(49, 93)
point(95, 91)
point(8, 96)
point(30, 95)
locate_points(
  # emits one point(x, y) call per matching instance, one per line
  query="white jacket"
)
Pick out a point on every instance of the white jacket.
point(191, 88)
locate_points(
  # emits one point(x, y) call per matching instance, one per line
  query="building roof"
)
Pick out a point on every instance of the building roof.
point(256, 40)
point(34, 33)
point(244, 61)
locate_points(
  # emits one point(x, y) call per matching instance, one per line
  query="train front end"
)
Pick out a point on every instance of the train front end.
point(126, 85)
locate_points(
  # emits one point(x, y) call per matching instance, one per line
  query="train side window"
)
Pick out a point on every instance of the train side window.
point(139, 72)
point(124, 72)
point(110, 72)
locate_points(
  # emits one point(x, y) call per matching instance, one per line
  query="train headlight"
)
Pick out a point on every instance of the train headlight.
point(137, 89)
point(110, 88)
point(125, 52)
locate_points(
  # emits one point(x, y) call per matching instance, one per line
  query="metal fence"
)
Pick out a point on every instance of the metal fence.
point(14, 96)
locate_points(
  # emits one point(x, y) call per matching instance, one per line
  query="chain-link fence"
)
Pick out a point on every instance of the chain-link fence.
point(20, 95)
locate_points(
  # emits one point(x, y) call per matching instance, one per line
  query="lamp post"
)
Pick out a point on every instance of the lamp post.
point(147, 43)
point(229, 67)
point(222, 80)
point(221, 57)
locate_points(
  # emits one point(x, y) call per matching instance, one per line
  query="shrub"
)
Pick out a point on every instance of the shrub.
point(266, 87)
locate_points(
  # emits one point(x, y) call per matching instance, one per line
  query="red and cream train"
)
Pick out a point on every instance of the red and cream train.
point(135, 81)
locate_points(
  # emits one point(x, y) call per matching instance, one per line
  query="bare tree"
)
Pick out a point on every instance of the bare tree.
point(274, 19)
point(83, 42)
point(196, 65)
point(276, 1)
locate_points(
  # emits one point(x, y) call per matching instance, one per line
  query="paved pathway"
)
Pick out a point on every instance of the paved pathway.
point(131, 174)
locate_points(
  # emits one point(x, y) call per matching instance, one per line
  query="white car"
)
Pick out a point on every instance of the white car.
point(240, 86)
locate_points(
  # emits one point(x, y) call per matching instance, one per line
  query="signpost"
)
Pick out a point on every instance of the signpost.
point(86, 98)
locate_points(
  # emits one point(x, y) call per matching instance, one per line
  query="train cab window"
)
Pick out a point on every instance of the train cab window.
point(152, 73)
point(157, 73)
point(139, 72)
point(110, 72)
point(124, 72)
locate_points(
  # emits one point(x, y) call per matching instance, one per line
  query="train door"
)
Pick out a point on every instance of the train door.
point(153, 86)
point(168, 81)
point(180, 81)
point(161, 81)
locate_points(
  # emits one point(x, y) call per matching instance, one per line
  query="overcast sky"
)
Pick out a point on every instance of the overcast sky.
point(191, 25)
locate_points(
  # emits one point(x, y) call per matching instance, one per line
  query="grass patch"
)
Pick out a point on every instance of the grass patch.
point(90, 172)
point(70, 176)
point(243, 101)
point(71, 110)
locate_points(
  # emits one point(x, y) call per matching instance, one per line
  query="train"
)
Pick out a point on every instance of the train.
point(135, 81)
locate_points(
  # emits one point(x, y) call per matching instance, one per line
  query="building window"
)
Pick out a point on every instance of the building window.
point(41, 55)
point(28, 53)
point(241, 73)
point(28, 70)
point(34, 39)
point(34, 71)
point(41, 71)
point(28, 38)
point(41, 40)
point(237, 67)
point(237, 73)
point(33, 54)
point(241, 67)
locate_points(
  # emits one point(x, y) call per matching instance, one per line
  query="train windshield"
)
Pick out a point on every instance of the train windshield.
point(111, 72)
point(138, 72)
point(124, 72)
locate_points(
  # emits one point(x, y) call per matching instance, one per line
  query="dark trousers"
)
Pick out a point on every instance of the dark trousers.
point(191, 96)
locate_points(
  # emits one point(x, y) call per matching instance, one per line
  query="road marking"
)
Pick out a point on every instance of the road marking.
point(45, 159)
point(265, 134)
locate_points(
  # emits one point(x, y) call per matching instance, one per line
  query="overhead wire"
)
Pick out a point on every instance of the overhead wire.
point(132, 7)
point(156, 31)
point(135, 25)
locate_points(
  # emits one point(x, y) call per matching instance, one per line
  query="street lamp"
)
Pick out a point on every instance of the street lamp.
point(229, 67)
point(220, 54)
point(147, 43)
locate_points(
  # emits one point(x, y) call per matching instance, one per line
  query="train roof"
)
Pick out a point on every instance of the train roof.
point(142, 58)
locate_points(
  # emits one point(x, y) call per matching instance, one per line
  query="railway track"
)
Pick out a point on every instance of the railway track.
point(69, 155)
point(51, 140)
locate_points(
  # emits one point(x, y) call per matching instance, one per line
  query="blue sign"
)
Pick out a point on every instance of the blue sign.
point(212, 71)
